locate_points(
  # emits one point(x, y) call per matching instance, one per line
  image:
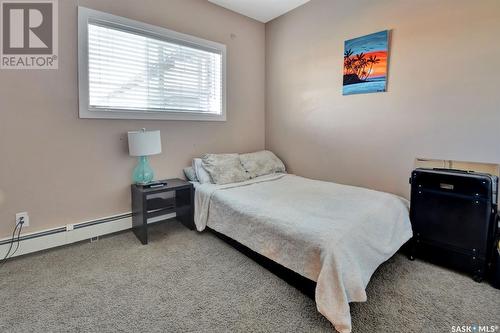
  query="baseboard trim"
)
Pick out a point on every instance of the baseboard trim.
point(72, 233)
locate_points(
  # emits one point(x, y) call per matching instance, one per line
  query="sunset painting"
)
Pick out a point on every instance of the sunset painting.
point(365, 63)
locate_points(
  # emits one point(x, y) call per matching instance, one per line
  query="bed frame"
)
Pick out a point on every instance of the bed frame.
point(303, 284)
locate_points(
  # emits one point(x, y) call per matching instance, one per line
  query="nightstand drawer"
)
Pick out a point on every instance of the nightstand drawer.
point(160, 201)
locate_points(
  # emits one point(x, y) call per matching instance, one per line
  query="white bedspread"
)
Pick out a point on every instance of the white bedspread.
point(333, 234)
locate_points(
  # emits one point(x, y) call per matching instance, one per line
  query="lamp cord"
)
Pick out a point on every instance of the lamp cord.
point(18, 238)
point(12, 240)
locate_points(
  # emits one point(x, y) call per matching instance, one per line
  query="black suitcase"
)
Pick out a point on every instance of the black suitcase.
point(453, 215)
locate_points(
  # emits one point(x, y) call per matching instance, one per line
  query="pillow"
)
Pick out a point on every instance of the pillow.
point(190, 174)
point(224, 168)
point(261, 163)
point(200, 172)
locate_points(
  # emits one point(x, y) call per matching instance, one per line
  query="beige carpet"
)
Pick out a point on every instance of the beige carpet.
point(184, 281)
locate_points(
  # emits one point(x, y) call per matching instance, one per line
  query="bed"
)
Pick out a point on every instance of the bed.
point(335, 235)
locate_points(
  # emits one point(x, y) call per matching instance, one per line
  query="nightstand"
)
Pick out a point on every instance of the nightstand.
point(177, 196)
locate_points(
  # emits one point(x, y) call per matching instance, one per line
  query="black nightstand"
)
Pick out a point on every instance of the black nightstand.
point(177, 196)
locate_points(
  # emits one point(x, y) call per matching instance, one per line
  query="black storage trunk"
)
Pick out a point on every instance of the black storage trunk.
point(453, 215)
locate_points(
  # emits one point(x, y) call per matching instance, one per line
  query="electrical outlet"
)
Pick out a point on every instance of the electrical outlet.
point(25, 217)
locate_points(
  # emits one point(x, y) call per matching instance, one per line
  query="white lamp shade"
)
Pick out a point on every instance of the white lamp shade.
point(144, 143)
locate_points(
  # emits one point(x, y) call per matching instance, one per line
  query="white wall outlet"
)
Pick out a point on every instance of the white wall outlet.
point(25, 217)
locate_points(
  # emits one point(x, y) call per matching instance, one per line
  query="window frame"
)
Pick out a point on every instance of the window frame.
point(86, 111)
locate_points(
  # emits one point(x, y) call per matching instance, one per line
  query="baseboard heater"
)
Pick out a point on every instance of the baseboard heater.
point(72, 233)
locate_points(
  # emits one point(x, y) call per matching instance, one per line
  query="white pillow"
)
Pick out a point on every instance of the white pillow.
point(201, 173)
point(224, 168)
point(262, 163)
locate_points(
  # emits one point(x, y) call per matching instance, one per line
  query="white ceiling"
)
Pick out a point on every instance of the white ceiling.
point(260, 10)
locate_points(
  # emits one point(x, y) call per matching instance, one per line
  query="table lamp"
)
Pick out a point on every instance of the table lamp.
point(143, 144)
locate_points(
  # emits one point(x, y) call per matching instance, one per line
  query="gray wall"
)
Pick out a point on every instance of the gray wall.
point(443, 98)
point(62, 169)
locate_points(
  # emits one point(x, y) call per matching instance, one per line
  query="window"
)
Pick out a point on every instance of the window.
point(132, 70)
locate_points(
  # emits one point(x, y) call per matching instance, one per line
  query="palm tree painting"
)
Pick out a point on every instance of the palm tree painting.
point(365, 63)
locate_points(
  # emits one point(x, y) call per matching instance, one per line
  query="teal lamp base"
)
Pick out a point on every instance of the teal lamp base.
point(143, 174)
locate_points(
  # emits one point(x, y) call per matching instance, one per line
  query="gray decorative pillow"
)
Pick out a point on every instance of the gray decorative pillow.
point(224, 168)
point(201, 173)
point(190, 174)
point(262, 163)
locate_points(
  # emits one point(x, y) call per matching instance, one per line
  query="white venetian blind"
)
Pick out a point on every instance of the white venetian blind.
point(136, 71)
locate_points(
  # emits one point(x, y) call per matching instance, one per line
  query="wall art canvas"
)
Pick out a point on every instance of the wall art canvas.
point(365, 63)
